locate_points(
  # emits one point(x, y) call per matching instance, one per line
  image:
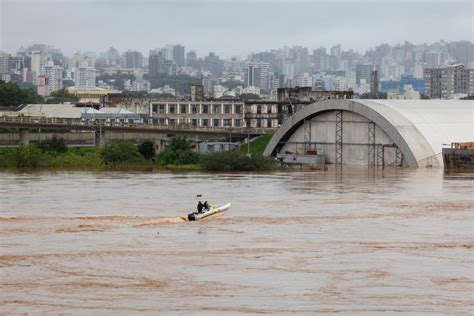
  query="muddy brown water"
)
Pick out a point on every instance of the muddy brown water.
point(355, 242)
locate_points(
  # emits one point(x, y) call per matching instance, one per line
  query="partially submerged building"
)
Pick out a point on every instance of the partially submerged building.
point(375, 132)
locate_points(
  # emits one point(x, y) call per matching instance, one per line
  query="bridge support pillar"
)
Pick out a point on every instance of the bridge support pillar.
point(99, 138)
point(24, 136)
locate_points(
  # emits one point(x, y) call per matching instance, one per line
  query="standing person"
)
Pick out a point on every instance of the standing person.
point(206, 206)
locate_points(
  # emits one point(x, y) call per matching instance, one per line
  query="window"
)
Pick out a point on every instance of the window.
point(259, 123)
point(172, 109)
point(171, 122)
point(237, 122)
point(162, 121)
point(227, 122)
point(216, 109)
point(155, 121)
point(184, 108)
point(269, 123)
point(205, 108)
point(194, 109)
point(227, 108)
point(154, 108)
point(205, 122)
point(216, 122)
point(269, 109)
point(238, 109)
point(259, 109)
point(194, 122)
point(161, 108)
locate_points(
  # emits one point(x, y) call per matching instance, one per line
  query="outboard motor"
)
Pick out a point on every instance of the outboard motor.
point(191, 217)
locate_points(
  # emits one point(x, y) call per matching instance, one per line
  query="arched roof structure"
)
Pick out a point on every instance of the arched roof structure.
point(419, 128)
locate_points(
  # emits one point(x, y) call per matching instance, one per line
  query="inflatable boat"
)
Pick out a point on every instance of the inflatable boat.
point(195, 216)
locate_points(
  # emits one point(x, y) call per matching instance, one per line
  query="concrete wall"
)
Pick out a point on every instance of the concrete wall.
point(355, 149)
point(81, 138)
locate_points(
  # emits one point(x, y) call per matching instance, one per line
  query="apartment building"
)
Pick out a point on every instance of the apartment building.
point(198, 113)
point(447, 82)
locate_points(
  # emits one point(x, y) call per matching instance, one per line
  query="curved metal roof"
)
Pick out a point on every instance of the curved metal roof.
point(418, 127)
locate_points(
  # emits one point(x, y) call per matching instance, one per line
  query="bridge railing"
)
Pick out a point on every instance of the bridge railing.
point(97, 124)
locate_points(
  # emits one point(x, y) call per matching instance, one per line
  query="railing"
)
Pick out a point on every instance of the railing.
point(88, 124)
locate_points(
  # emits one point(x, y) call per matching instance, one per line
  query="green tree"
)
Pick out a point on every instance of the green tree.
point(147, 149)
point(27, 156)
point(53, 145)
point(236, 161)
point(232, 84)
point(178, 152)
point(120, 152)
point(249, 96)
point(12, 95)
point(181, 83)
point(116, 80)
point(378, 95)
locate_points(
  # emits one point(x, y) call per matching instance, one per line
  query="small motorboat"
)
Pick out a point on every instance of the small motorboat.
point(195, 216)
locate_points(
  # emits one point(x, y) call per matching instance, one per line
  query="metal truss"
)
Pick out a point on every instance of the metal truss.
point(371, 144)
point(339, 134)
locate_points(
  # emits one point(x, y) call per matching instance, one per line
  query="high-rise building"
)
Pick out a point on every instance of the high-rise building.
point(364, 71)
point(84, 77)
point(133, 59)
point(54, 74)
point(113, 57)
point(444, 83)
point(4, 63)
point(178, 55)
point(156, 63)
point(374, 81)
point(81, 60)
point(433, 59)
point(191, 59)
point(256, 74)
point(38, 60)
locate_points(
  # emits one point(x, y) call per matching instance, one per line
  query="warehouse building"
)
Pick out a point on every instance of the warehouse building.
point(375, 132)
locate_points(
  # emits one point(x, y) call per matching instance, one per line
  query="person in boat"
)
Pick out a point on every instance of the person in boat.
point(200, 206)
point(206, 206)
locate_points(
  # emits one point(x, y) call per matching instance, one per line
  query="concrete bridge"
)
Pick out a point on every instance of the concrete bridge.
point(25, 123)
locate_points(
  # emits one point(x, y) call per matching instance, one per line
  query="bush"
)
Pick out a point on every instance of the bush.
point(236, 161)
point(147, 150)
point(53, 145)
point(178, 152)
point(27, 156)
point(120, 152)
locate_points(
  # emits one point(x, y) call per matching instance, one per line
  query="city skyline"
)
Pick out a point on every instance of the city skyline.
point(228, 28)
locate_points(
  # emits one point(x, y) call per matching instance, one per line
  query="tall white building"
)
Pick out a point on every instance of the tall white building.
point(84, 77)
point(38, 60)
point(256, 74)
point(54, 74)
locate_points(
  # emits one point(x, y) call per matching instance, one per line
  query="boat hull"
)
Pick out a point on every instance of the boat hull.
point(195, 216)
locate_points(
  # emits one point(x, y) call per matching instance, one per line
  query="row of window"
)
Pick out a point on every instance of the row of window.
point(194, 109)
point(199, 122)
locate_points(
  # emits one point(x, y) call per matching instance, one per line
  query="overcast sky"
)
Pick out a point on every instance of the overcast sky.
point(230, 27)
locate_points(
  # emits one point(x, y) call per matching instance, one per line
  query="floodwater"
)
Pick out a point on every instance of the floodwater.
point(355, 242)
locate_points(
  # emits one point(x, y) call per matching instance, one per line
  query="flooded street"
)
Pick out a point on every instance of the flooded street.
point(358, 242)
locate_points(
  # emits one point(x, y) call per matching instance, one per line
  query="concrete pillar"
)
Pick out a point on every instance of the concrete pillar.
point(99, 138)
point(24, 136)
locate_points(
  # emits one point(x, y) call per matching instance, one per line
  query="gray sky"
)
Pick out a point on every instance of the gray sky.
point(230, 27)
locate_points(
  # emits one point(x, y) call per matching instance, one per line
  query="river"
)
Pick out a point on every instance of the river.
point(350, 242)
